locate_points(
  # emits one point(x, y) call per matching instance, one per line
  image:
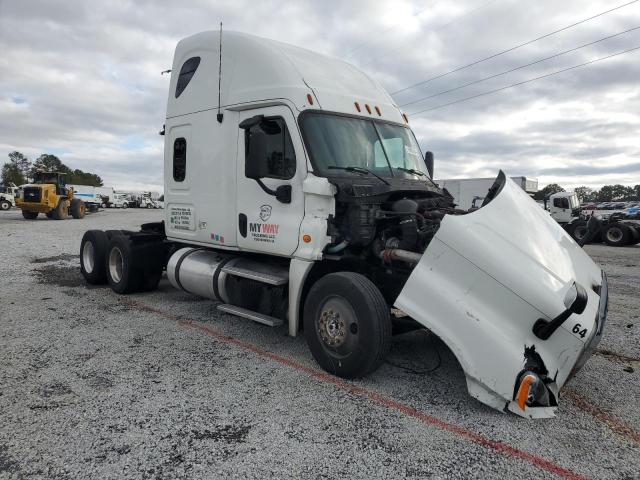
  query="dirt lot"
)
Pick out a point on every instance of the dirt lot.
point(161, 385)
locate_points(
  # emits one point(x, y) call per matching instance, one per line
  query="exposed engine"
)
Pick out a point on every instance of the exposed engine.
point(391, 225)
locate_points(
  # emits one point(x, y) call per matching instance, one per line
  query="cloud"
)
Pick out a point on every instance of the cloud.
point(82, 79)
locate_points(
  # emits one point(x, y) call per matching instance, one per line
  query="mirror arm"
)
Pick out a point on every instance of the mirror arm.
point(266, 189)
point(282, 193)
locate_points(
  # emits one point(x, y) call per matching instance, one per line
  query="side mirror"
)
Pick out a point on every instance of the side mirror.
point(428, 161)
point(575, 302)
point(255, 164)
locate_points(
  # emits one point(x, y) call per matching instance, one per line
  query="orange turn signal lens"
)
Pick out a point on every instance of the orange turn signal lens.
point(523, 392)
point(306, 238)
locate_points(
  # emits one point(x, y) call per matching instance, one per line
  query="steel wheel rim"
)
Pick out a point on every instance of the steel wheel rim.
point(88, 257)
point(115, 264)
point(580, 232)
point(337, 326)
point(614, 234)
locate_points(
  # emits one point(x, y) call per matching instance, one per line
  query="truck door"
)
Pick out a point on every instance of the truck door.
point(267, 222)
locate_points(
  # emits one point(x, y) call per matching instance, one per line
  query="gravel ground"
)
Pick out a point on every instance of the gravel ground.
point(161, 385)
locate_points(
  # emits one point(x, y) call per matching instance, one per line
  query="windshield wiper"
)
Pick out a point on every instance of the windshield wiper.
point(359, 170)
point(413, 171)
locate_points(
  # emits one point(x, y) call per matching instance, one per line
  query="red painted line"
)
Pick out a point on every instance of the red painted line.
point(613, 423)
point(387, 402)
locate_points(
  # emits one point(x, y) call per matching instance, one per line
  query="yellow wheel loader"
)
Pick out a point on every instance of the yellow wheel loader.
point(49, 194)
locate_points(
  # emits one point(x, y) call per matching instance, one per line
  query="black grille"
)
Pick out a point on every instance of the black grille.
point(32, 194)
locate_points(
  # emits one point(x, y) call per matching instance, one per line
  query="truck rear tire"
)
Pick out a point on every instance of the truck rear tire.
point(29, 215)
point(5, 204)
point(347, 324)
point(122, 275)
point(93, 249)
point(77, 208)
point(578, 230)
point(61, 212)
point(617, 235)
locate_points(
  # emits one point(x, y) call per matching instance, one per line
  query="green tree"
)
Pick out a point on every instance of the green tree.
point(609, 193)
point(51, 163)
point(548, 190)
point(48, 163)
point(21, 162)
point(583, 193)
point(12, 174)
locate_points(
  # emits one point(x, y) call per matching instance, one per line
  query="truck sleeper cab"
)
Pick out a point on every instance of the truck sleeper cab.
point(303, 199)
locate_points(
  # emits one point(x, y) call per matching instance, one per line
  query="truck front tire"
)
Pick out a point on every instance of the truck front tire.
point(347, 324)
point(77, 208)
point(61, 212)
point(93, 249)
point(29, 215)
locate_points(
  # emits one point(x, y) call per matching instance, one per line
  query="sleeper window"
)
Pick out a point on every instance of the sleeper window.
point(179, 159)
point(186, 72)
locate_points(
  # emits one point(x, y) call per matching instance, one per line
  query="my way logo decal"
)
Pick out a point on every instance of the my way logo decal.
point(264, 232)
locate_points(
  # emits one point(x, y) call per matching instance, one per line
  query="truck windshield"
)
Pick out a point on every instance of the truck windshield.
point(573, 202)
point(336, 143)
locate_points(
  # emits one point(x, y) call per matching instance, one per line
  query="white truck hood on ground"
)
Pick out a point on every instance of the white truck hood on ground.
point(483, 282)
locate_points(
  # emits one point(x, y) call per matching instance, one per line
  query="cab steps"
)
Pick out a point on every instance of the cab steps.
point(257, 271)
point(251, 315)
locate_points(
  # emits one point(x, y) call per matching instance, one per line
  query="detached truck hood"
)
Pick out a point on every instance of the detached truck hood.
point(482, 284)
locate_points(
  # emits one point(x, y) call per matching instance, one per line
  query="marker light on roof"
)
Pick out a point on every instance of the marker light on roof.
point(378, 111)
point(357, 105)
point(367, 107)
point(309, 99)
point(404, 115)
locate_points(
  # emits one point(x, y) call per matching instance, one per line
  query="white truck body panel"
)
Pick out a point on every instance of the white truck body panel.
point(258, 76)
point(485, 279)
point(465, 190)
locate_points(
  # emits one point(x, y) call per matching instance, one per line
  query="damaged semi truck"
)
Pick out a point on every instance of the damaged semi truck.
point(296, 193)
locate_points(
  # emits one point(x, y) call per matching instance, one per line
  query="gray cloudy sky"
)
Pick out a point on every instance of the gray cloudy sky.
point(81, 79)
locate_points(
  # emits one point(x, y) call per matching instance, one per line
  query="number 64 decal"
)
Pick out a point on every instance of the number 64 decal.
point(577, 329)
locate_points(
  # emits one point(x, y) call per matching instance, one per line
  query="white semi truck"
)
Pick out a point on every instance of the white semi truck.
point(564, 208)
point(296, 193)
point(8, 196)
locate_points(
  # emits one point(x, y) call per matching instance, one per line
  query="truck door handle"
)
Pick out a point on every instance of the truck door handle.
point(242, 224)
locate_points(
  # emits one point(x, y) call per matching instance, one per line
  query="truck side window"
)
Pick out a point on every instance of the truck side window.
point(186, 72)
point(179, 159)
point(561, 202)
point(279, 155)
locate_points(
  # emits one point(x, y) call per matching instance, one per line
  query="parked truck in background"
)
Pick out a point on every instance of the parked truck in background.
point(303, 198)
point(8, 196)
point(469, 192)
point(91, 196)
point(564, 208)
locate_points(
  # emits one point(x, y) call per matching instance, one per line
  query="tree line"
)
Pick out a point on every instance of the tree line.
point(608, 193)
point(20, 170)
